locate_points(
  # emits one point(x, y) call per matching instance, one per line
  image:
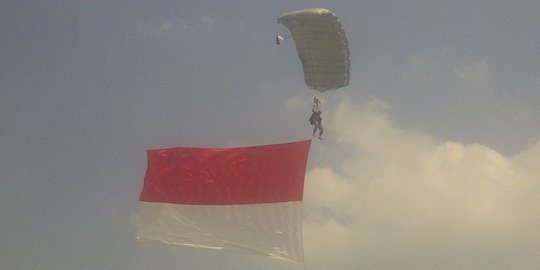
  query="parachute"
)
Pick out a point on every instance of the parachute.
point(321, 45)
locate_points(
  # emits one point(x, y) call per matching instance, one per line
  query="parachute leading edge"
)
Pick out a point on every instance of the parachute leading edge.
point(321, 45)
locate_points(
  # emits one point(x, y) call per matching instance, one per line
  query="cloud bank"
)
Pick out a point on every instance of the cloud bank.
point(402, 199)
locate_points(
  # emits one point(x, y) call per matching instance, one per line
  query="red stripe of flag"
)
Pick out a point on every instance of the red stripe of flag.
point(226, 176)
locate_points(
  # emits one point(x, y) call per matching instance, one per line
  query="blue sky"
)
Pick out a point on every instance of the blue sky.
point(440, 125)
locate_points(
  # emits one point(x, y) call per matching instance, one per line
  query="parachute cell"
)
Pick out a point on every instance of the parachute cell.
point(322, 47)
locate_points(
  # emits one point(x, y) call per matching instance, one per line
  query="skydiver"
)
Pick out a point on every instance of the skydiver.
point(316, 119)
point(318, 124)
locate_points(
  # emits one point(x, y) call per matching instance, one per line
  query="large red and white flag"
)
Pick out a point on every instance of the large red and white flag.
point(246, 199)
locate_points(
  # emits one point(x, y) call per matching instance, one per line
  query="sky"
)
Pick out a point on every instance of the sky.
point(430, 157)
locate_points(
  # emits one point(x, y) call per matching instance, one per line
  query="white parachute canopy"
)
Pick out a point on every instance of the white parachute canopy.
point(321, 45)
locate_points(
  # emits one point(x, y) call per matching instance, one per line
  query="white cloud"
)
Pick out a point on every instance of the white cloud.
point(164, 27)
point(477, 75)
point(173, 25)
point(402, 199)
point(207, 20)
point(455, 96)
point(296, 103)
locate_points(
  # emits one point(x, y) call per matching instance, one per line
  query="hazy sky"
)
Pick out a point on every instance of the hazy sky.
point(431, 157)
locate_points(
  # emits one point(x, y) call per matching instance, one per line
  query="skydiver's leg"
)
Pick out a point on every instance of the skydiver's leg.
point(321, 130)
point(315, 129)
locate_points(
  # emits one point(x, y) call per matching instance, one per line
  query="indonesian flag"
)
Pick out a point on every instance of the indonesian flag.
point(245, 199)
